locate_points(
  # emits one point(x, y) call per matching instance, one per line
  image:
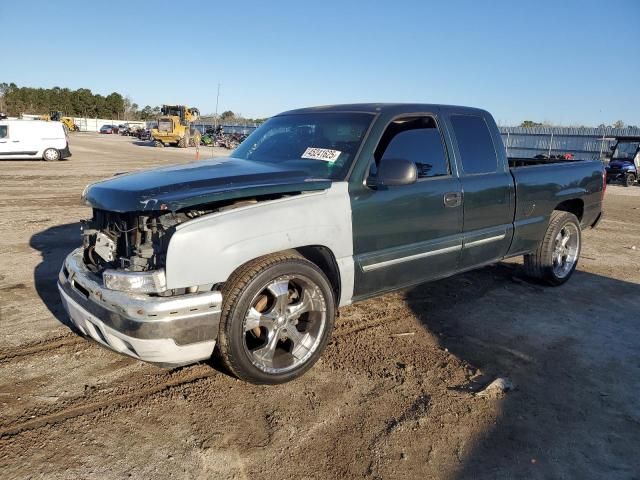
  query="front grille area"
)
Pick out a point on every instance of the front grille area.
point(128, 241)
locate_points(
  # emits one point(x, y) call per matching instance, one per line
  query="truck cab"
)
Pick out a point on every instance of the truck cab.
point(625, 161)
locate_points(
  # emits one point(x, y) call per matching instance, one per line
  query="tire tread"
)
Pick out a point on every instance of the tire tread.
point(232, 289)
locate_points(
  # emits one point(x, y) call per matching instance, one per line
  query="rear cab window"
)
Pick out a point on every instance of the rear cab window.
point(477, 152)
point(417, 139)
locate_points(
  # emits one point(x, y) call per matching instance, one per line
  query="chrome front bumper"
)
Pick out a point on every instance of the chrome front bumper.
point(170, 331)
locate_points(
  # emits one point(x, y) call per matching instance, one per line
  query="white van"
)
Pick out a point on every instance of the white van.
point(33, 139)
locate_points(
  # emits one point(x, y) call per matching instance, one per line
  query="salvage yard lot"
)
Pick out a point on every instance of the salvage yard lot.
point(393, 396)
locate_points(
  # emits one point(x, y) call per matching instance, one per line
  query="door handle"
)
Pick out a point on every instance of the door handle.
point(453, 199)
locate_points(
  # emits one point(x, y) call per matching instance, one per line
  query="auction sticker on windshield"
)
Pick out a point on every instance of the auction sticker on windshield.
point(325, 154)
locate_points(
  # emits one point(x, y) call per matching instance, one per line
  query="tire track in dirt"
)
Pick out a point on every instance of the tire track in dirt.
point(96, 401)
point(417, 409)
point(136, 387)
point(391, 316)
point(42, 346)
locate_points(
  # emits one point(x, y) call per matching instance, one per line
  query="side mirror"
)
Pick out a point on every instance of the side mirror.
point(394, 172)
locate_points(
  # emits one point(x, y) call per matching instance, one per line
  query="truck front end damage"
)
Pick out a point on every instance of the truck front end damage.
point(118, 288)
point(114, 290)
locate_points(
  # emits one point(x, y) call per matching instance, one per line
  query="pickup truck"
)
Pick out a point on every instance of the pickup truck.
point(318, 208)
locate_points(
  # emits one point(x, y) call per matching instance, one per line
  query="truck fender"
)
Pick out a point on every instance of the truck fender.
point(206, 250)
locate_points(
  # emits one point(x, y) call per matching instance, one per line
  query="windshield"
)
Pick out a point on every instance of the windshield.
point(321, 144)
point(625, 151)
point(165, 125)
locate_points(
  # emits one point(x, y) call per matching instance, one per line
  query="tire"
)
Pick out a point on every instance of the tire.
point(290, 304)
point(184, 141)
point(194, 141)
point(51, 155)
point(629, 180)
point(555, 259)
point(158, 143)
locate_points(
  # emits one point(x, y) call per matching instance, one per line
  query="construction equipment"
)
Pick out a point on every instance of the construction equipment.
point(57, 116)
point(175, 127)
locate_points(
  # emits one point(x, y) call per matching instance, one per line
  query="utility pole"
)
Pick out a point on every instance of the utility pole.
point(217, 99)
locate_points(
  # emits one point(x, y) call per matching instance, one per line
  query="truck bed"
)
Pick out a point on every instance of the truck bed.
point(515, 162)
point(548, 184)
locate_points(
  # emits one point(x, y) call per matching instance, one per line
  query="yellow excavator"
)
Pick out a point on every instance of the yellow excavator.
point(56, 116)
point(175, 127)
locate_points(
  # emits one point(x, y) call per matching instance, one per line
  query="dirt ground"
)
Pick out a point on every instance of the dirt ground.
point(377, 405)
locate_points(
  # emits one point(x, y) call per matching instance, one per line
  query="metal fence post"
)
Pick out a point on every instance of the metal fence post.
point(550, 144)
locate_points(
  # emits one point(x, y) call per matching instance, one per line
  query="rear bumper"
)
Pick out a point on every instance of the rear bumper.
point(65, 152)
point(169, 331)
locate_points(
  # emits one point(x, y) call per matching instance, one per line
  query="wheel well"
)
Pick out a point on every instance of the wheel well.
point(324, 259)
point(575, 206)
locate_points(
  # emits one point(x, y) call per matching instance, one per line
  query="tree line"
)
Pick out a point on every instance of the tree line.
point(83, 102)
point(532, 124)
point(15, 100)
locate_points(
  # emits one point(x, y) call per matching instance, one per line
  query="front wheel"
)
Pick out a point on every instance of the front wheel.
point(629, 180)
point(277, 317)
point(556, 257)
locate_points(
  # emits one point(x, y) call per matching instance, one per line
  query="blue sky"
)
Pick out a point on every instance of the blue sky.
point(567, 62)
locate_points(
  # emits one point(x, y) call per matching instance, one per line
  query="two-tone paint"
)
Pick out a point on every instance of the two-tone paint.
point(379, 239)
point(385, 239)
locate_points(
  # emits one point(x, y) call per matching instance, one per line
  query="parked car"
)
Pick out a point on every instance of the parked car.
point(130, 128)
point(109, 129)
point(316, 209)
point(625, 161)
point(142, 134)
point(33, 139)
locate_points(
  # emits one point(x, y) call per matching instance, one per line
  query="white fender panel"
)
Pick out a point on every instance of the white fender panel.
point(209, 248)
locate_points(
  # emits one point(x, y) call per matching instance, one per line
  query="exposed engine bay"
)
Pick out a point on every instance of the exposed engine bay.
point(127, 241)
point(138, 241)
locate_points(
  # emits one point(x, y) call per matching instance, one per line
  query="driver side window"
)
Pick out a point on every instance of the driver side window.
point(416, 139)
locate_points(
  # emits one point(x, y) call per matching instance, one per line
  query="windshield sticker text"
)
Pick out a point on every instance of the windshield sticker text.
point(325, 154)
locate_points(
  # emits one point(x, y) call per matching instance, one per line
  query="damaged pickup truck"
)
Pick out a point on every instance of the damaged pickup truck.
point(252, 255)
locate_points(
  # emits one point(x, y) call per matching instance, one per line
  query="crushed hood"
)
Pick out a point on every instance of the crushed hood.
point(176, 187)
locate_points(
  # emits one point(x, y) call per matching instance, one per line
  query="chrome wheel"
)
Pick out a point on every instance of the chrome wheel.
point(284, 324)
point(566, 248)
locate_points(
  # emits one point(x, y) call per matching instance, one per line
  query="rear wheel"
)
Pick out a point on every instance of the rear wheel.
point(51, 155)
point(629, 180)
point(277, 318)
point(556, 258)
